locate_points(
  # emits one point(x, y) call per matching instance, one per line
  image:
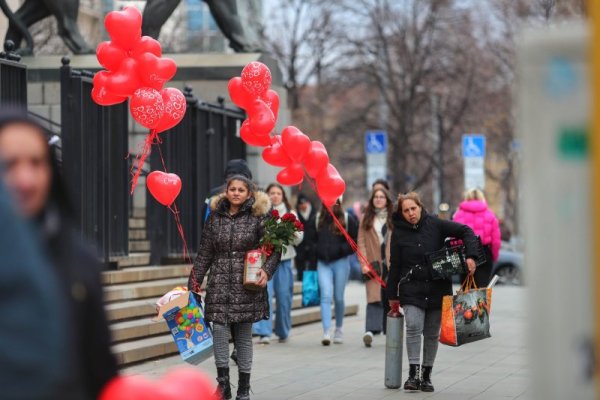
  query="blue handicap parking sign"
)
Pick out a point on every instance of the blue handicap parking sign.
point(473, 145)
point(376, 142)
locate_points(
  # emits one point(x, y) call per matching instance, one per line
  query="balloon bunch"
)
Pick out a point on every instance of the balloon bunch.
point(252, 92)
point(182, 382)
point(135, 69)
point(187, 318)
point(292, 150)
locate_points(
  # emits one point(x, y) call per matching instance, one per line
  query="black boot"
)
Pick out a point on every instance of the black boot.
point(426, 385)
point(224, 388)
point(413, 382)
point(243, 392)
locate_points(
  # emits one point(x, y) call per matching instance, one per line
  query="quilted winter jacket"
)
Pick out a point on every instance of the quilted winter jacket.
point(224, 242)
point(477, 215)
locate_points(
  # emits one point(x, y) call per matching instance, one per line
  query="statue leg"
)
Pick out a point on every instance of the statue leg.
point(66, 12)
point(156, 13)
point(29, 13)
point(228, 20)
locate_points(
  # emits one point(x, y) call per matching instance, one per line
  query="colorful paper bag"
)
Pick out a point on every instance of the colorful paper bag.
point(191, 333)
point(466, 315)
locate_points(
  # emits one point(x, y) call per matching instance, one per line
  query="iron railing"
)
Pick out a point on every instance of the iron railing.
point(13, 77)
point(94, 149)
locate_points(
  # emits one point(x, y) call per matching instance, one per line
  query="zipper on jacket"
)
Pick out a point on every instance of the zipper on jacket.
point(230, 268)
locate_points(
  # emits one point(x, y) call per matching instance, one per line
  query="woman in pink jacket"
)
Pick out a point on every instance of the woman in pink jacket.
point(474, 212)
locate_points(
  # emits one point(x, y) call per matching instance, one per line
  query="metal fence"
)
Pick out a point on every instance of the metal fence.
point(94, 149)
point(197, 150)
point(13, 77)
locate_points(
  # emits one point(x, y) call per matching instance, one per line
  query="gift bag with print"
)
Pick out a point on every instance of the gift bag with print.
point(466, 315)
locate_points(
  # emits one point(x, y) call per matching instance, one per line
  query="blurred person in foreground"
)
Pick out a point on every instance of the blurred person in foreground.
point(474, 212)
point(32, 176)
point(411, 285)
point(33, 323)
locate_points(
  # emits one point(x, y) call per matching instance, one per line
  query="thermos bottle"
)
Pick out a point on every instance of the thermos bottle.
point(393, 348)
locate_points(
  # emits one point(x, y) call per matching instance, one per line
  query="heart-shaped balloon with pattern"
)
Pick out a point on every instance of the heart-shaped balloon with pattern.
point(147, 107)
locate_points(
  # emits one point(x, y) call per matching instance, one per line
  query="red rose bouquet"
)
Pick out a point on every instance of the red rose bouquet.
point(279, 233)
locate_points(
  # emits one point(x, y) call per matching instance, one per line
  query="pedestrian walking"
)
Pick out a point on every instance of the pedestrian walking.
point(235, 226)
point(282, 284)
point(306, 214)
point(333, 267)
point(410, 283)
point(474, 212)
point(32, 176)
point(374, 227)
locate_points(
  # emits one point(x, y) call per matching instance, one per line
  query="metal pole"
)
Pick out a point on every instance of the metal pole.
point(393, 349)
point(437, 141)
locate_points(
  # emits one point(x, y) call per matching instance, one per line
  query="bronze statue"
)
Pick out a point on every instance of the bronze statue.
point(225, 13)
point(32, 11)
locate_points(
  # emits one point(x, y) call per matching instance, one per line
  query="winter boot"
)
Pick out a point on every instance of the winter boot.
point(413, 382)
point(243, 392)
point(224, 389)
point(426, 385)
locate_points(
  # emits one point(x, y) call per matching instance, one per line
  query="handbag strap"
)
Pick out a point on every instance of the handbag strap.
point(468, 284)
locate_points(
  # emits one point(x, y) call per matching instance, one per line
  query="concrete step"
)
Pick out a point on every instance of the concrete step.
point(137, 234)
point(130, 309)
point(132, 260)
point(145, 308)
point(142, 290)
point(142, 274)
point(139, 213)
point(137, 223)
point(139, 245)
point(163, 345)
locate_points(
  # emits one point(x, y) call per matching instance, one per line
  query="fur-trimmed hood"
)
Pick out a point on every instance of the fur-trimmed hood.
point(259, 202)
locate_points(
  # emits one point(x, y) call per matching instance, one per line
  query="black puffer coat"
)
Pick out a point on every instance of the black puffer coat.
point(224, 242)
point(409, 243)
point(329, 246)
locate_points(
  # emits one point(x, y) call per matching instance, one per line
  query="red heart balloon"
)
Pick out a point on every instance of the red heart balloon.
point(295, 143)
point(155, 71)
point(174, 106)
point(262, 121)
point(256, 78)
point(316, 159)
point(100, 94)
point(275, 155)
point(110, 56)
point(124, 27)
point(291, 176)
point(330, 185)
point(239, 96)
point(197, 385)
point(134, 387)
point(250, 138)
point(146, 107)
point(271, 98)
point(147, 44)
point(125, 80)
point(163, 187)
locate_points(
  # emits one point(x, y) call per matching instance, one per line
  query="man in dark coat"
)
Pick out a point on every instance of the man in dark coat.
point(32, 176)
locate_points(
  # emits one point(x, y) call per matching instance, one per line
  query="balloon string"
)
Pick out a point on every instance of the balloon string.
point(371, 273)
point(140, 159)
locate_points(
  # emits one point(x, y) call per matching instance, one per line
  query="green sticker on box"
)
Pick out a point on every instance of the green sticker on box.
point(573, 143)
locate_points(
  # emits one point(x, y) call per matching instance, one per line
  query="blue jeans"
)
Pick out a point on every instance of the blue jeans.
point(282, 286)
point(333, 278)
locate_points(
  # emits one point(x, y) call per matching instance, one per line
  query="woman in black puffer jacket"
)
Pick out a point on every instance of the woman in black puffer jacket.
point(333, 267)
point(235, 226)
point(410, 282)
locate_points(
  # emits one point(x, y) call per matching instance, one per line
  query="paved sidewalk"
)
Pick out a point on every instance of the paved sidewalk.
point(302, 368)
